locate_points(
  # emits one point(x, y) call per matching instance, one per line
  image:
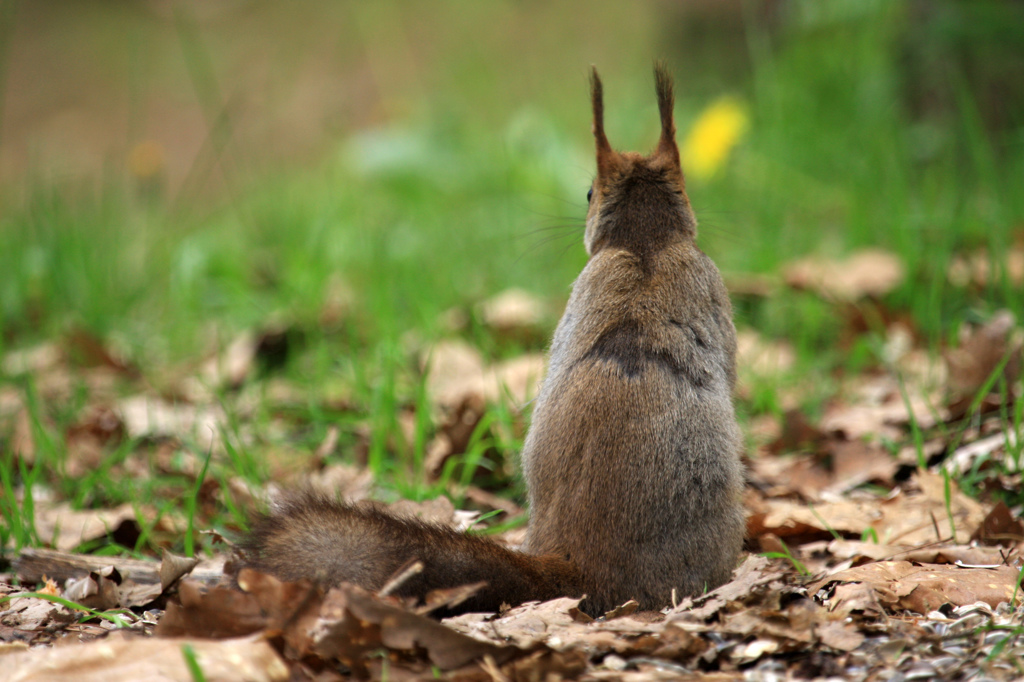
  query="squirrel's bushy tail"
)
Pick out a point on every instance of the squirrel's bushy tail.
point(311, 536)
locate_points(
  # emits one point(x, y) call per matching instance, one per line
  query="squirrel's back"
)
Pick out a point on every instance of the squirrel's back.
point(632, 461)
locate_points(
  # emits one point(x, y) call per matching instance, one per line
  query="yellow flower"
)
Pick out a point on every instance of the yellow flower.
point(146, 159)
point(715, 132)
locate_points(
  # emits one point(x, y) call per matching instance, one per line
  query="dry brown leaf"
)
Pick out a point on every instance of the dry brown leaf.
point(145, 416)
point(339, 299)
point(232, 367)
point(174, 567)
point(525, 626)
point(218, 613)
point(454, 433)
point(866, 273)
point(971, 556)
point(877, 409)
point(457, 373)
point(556, 624)
point(859, 551)
point(797, 434)
point(999, 527)
point(855, 463)
point(456, 369)
point(291, 610)
point(99, 590)
point(346, 624)
point(837, 635)
point(924, 588)
point(966, 456)
point(752, 575)
point(60, 526)
point(539, 665)
point(489, 501)
point(328, 445)
point(149, 660)
point(849, 597)
point(439, 510)
point(799, 522)
point(343, 481)
point(760, 357)
point(627, 609)
point(981, 351)
point(514, 313)
point(92, 351)
point(29, 614)
point(841, 466)
point(90, 438)
point(910, 518)
point(795, 623)
point(517, 380)
point(399, 629)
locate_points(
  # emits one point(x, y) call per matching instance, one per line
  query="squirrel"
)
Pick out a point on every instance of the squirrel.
point(632, 460)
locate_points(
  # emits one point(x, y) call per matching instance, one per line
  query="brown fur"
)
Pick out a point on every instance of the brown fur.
point(632, 460)
point(310, 536)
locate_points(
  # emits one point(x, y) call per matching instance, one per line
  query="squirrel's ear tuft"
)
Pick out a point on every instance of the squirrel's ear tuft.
point(667, 148)
point(604, 150)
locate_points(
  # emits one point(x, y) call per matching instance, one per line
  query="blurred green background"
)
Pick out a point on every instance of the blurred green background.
point(168, 166)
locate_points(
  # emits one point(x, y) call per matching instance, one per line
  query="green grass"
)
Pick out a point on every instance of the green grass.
point(479, 187)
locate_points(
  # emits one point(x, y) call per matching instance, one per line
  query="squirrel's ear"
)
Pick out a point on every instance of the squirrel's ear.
point(604, 150)
point(667, 148)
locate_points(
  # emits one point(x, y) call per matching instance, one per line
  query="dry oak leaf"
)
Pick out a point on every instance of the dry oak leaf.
point(838, 635)
point(981, 351)
point(992, 447)
point(866, 273)
point(790, 626)
point(457, 372)
point(793, 519)
point(513, 312)
point(924, 588)
point(908, 517)
point(31, 614)
point(751, 576)
point(849, 597)
point(122, 657)
point(398, 629)
point(861, 552)
point(815, 477)
point(761, 357)
point(454, 433)
point(99, 590)
point(555, 624)
point(911, 518)
point(217, 613)
point(879, 410)
point(236, 363)
point(999, 527)
point(65, 528)
point(146, 416)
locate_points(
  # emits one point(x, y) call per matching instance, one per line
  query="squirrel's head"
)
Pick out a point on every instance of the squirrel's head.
point(637, 202)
